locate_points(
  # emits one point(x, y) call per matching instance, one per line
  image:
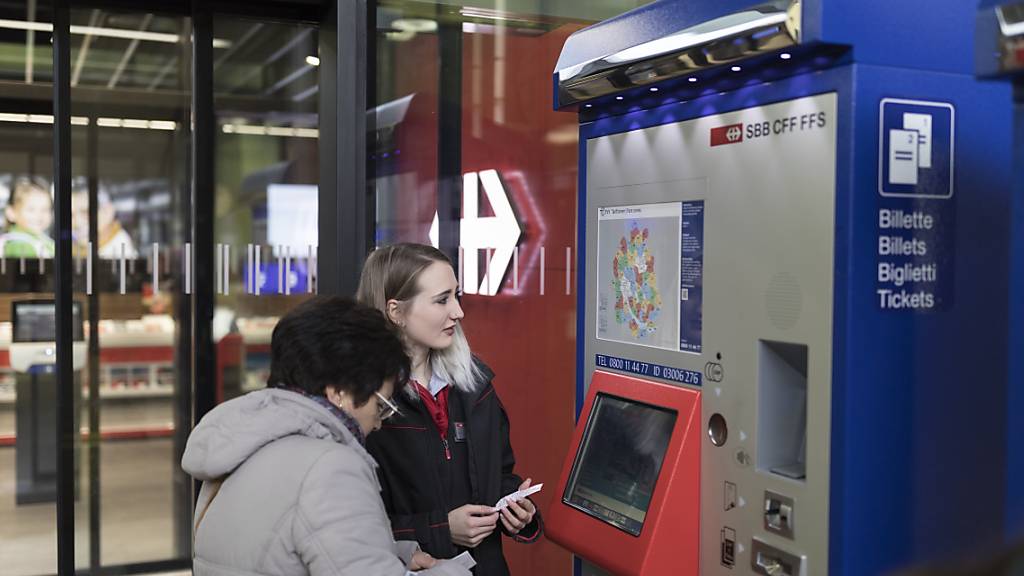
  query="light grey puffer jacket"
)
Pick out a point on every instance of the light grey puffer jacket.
point(297, 494)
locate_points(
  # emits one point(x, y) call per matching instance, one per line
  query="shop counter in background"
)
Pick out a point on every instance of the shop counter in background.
point(137, 374)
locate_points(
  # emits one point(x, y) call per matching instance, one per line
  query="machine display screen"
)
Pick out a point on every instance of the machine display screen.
point(619, 461)
point(36, 321)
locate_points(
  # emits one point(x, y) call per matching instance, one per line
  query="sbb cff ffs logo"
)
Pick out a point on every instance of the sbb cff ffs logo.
point(736, 133)
point(731, 134)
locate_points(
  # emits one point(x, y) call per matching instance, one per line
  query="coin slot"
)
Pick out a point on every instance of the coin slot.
point(718, 430)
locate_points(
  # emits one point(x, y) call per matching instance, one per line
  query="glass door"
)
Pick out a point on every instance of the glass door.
point(28, 466)
point(130, 193)
point(194, 164)
point(266, 94)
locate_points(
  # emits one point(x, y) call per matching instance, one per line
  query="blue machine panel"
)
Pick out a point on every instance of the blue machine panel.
point(924, 420)
point(691, 309)
point(1015, 394)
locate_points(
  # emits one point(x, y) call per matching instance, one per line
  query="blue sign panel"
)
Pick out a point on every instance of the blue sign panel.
point(679, 375)
point(916, 149)
point(691, 277)
point(297, 278)
point(916, 217)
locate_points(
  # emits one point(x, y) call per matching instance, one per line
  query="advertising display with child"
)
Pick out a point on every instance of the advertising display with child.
point(28, 216)
point(114, 240)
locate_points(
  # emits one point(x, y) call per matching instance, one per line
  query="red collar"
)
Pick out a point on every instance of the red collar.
point(437, 407)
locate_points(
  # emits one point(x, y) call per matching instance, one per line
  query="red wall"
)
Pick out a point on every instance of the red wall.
point(528, 339)
point(414, 70)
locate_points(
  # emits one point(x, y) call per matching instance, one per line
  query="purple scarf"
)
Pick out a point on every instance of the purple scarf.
point(346, 419)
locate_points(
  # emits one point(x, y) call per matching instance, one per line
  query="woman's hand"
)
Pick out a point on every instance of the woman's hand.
point(471, 523)
point(518, 514)
point(421, 561)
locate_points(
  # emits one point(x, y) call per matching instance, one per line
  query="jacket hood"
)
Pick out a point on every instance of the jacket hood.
point(235, 430)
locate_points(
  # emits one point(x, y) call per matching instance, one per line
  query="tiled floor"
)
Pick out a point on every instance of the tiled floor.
point(136, 511)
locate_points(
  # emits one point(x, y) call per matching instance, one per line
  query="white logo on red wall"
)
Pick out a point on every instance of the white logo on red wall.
point(499, 233)
point(731, 134)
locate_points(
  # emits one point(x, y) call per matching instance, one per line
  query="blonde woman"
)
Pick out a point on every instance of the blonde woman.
point(446, 459)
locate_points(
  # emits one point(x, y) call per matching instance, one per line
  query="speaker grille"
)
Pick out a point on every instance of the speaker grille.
point(783, 300)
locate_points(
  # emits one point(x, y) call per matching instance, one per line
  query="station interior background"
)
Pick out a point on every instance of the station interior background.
point(491, 61)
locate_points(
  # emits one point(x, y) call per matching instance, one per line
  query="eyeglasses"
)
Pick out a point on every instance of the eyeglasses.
point(387, 409)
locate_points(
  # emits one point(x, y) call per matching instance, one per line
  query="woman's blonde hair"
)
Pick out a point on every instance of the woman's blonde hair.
point(392, 273)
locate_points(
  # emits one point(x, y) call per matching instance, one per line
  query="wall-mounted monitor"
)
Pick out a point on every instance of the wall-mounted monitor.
point(36, 321)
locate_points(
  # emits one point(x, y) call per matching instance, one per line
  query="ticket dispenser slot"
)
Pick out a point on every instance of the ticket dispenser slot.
point(782, 409)
point(778, 514)
point(771, 561)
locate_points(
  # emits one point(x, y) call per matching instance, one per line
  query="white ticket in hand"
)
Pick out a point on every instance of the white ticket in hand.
point(516, 497)
point(465, 560)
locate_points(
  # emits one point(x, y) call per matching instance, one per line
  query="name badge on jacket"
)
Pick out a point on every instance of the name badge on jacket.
point(460, 432)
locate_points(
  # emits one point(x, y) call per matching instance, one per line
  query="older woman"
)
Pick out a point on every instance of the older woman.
point(288, 487)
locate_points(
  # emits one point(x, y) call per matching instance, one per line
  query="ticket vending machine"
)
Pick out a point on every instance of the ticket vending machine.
point(33, 356)
point(999, 56)
point(796, 212)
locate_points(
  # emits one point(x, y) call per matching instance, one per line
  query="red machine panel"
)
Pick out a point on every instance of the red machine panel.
point(629, 495)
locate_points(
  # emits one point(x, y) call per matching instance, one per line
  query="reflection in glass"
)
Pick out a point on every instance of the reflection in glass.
point(130, 185)
point(466, 91)
point(267, 172)
point(27, 383)
point(131, 97)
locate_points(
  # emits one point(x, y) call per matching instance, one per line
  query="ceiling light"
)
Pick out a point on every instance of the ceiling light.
point(106, 32)
point(258, 130)
point(414, 25)
point(484, 13)
point(400, 36)
point(84, 121)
